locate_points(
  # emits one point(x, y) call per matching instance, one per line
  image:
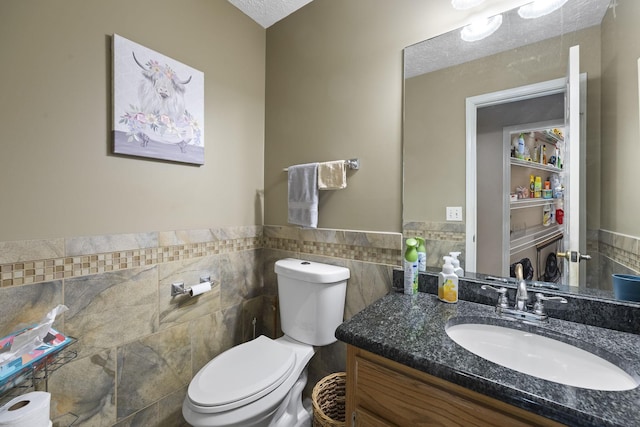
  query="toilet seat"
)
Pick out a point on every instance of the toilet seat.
point(242, 375)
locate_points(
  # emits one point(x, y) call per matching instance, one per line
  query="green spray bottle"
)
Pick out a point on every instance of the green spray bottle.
point(411, 267)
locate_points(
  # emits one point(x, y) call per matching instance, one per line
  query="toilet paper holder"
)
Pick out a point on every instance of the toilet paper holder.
point(178, 288)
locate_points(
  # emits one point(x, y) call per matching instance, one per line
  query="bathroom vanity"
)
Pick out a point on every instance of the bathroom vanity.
point(379, 389)
point(403, 369)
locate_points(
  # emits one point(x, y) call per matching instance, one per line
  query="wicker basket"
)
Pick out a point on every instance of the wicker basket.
point(329, 396)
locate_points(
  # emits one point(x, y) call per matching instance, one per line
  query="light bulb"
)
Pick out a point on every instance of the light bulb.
point(481, 29)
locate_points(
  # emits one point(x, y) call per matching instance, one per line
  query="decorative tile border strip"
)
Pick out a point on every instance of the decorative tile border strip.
point(337, 250)
point(83, 256)
point(36, 271)
point(360, 246)
point(439, 231)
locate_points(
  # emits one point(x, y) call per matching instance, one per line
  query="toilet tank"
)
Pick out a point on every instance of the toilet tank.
point(312, 297)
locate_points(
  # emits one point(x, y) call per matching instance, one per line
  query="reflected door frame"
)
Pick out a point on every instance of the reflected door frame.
point(550, 87)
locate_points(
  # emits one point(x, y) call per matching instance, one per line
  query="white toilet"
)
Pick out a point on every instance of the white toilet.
point(260, 382)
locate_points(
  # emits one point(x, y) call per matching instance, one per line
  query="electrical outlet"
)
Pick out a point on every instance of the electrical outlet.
point(454, 213)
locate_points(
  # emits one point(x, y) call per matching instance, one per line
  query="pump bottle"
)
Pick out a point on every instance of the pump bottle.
point(447, 283)
point(456, 264)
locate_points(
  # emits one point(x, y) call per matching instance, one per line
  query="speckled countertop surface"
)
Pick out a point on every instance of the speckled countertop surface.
point(411, 330)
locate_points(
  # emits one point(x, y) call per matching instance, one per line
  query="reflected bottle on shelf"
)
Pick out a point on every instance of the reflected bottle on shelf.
point(546, 215)
point(532, 186)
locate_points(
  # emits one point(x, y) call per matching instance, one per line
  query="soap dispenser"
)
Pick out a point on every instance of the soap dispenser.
point(447, 282)
point(456, 264)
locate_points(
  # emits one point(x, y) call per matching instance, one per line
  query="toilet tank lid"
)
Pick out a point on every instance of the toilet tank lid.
point(309, 271)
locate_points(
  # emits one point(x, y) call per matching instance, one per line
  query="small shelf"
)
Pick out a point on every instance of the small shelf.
point(534, 165)
point(533, 236)
point(531, 203)
point(36, 377)
point(36, 372)
point(547, 136)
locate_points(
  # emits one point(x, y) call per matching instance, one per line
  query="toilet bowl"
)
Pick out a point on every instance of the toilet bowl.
point(260, 382)
point(247, 384)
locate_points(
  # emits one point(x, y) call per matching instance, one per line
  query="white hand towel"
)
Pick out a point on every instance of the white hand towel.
point(303, 195)
point(332, 175)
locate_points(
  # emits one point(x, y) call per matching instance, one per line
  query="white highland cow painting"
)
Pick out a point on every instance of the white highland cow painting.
point(158, 105)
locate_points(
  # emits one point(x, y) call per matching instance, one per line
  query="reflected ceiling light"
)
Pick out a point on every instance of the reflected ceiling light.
point(481, 29)
point(465, 4)
point(540, 8)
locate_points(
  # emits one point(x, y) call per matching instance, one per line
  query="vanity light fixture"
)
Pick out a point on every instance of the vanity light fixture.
point(481, 29)
point(465, 4)
point(540, 8)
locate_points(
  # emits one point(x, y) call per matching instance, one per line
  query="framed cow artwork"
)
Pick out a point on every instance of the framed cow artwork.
point(158, 105)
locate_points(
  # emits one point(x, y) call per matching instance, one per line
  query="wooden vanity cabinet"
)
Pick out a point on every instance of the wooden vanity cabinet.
point(381, 392)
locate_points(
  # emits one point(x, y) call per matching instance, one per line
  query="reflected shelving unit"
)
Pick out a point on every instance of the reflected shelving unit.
point(524, 233)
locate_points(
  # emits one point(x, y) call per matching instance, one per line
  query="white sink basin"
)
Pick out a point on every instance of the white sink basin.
point(541, 357)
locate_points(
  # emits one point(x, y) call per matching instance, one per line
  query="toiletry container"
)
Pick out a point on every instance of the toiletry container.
point(520, 150)
point(411, 267)
point(532, 186)
point(559, 211)
point(447, 282)
point(546, 215)
point(422, 254)
point(456, 264)
point(260, 382)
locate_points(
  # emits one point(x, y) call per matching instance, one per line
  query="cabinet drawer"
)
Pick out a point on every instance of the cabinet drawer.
point(385, 393)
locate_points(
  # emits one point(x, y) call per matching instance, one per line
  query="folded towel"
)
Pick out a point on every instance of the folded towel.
point(303, 195)
point(332, 175)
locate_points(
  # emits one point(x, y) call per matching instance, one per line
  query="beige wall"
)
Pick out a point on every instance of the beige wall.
point(620, 128)
point(435, 115)
point(334, 91)
point(58, 176)
point(334, 76)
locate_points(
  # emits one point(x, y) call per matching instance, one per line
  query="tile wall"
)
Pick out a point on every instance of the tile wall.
point(138, 347)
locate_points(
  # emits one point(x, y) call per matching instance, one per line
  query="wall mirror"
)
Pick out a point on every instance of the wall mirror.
point(443, 73)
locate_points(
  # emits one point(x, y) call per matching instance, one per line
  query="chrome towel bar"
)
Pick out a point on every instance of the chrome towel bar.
point(353, 164)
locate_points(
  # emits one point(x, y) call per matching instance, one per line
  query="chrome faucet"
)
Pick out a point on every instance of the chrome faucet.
point(520, 309)
point(522, 297)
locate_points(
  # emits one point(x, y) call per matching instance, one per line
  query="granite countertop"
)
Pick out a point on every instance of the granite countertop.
point(411, 330)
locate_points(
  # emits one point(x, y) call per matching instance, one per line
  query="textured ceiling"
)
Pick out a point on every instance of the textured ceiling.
point(268, 12)
point(449, 49)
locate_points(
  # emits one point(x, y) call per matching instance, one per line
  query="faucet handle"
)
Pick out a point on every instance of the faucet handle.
point(502, 295)
point(538, 307)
